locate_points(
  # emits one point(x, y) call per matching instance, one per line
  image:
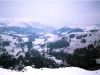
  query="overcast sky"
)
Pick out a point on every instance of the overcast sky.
point(52, 12)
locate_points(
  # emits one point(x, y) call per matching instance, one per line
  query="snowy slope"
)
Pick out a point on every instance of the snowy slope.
point(14, 47)
point(34, 42)
point(46, 71)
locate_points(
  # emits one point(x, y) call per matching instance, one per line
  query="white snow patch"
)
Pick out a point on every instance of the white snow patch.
point(51, 37)
point(38, 48)
point(56, 60)
point(39, 41)
point(25, 39)
point(45, 71)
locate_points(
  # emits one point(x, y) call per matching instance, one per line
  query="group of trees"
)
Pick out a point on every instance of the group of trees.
point(81, 57)
point(58, 44)
point(7, 61)
point(32, 57)
point(4, 43)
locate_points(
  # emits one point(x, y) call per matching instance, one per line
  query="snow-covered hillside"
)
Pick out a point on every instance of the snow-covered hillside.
point(33, 44)
point(46, 71)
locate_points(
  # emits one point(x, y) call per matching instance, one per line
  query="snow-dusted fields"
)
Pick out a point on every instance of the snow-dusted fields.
point(61, 71)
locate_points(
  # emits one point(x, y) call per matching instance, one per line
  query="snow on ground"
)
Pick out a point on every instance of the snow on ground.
point(85, 27)
point(45, 71)
point(56, 60)
point(51, 37)
point(76, 43)
point(25, 39)
point(38, 41)
point(38, 48)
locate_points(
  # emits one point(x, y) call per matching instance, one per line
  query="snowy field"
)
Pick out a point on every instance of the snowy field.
point(44, 71)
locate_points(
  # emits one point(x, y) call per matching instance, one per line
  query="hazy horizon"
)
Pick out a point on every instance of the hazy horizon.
point(52, 13)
